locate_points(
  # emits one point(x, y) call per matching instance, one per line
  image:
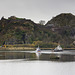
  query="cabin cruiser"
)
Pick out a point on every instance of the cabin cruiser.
point(38, 49)
point(58, 49)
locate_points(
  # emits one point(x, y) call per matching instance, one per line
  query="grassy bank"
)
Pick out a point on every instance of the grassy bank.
point(17, 48)
point(30, 48)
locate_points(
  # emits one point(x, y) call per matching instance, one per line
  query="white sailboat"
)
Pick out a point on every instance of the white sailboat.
point(38, 49)
point(58, 48)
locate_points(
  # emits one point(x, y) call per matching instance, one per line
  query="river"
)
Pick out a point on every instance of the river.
point(22, 67)
point(28, 64)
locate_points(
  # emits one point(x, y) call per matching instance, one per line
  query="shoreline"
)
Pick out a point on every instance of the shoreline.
point(30, 48)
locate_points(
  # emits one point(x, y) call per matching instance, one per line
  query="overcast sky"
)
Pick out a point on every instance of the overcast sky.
point(36, 10)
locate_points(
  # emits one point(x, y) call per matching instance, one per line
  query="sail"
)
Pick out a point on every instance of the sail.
point(58, 48)
point(38, 49)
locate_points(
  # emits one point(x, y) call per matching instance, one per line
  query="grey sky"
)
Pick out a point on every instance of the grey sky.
point(36, 9)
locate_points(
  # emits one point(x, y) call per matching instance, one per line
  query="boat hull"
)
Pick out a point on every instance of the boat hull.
point(58, 50)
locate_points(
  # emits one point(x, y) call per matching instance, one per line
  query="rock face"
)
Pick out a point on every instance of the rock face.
point(23, 31)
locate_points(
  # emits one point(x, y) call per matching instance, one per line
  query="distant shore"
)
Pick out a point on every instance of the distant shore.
point(24, 48)
point(17, 48)
point(30, 48)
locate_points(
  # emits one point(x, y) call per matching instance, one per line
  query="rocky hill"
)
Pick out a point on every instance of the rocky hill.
point(23, 31)
point(64, 19)
point(63, 24)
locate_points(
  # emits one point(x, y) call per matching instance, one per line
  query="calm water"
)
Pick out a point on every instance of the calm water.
point(46, 55)
point(21, 63)
point(22, 67)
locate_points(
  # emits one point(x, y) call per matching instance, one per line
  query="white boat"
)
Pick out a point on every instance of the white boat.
point(38, 49)
point(58, 49)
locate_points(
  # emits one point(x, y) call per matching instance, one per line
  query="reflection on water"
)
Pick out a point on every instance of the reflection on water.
point(37, 56)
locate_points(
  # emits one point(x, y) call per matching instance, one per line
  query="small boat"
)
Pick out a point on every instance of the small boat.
point(38, 49)
point(58, 49)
